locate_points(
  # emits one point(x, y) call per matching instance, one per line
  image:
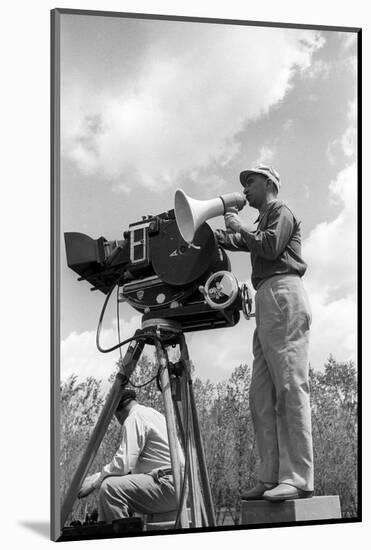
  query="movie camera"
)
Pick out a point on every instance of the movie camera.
point(168, 266)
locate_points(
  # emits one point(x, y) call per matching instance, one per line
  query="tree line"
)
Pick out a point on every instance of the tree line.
point(228, 436)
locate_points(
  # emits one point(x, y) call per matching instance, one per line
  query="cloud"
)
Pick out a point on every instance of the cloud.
point(80, 356)
point(319, 69)
point(331, 254)
point(349, 138)
point(331, 279)
point(347, 143)
point(266, 155)
point(214, 353)
point(333, 331)
point(348, 41)
point(217, 352)
point(194, 90)
point(331, 282)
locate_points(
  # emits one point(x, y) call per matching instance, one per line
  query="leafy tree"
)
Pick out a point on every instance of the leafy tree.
point(228, 438)
point(240, 458)
point(80, 404)
point(226, 426)
point(334, 419)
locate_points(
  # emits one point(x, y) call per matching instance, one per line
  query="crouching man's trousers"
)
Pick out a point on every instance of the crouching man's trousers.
point(120, 495)
point(279, 393)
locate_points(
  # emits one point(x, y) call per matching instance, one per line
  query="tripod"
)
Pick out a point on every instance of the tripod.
point(180, 409)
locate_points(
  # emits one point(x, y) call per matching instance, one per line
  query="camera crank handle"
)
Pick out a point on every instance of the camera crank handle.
point(246, 301)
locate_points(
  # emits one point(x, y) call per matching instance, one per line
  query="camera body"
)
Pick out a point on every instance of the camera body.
point(158, 273)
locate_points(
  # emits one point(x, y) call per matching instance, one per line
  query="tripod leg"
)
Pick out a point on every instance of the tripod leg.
point(179, 419)
point(129, 362)
point(193, 481)
point(205, 483)
point(171, 430)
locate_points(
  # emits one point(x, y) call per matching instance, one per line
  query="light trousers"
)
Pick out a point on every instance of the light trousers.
point(119, 495)
point(279, 392)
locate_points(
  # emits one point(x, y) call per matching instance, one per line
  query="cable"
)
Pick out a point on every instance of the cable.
point(118, 315)
point(146, 383)
point(143, 336)
point(119, 338)
point(142, 385)
point(158, 381)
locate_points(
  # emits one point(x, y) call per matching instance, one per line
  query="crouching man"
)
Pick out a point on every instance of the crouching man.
point(139, 477)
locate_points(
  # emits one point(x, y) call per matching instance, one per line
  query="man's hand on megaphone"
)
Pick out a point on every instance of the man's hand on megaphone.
point(220, 236)
point(232, 220)
point(231, 210)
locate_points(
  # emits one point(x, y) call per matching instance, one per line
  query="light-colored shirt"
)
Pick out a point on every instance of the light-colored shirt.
point(144, 446)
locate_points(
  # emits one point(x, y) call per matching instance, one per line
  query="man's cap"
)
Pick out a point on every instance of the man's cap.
point(126, 397)
point(268, 171)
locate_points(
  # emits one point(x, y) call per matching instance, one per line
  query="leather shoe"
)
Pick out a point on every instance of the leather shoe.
point(256, 493)
point(283, 491)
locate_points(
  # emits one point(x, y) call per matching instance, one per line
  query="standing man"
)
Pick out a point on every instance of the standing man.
point(139, 477)
point(279, 392)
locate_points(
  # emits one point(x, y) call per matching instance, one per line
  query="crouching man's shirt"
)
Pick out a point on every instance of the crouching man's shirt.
point(144, 446)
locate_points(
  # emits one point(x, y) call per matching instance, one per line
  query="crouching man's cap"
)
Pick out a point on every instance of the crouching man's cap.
point(268, 171)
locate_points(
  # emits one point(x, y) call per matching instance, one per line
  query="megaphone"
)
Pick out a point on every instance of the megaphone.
point(190, 213)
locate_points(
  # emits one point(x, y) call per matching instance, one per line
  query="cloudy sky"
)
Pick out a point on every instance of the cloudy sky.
point(149, 106)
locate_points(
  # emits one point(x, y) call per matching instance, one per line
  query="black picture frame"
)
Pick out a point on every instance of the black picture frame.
point(56, 15)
